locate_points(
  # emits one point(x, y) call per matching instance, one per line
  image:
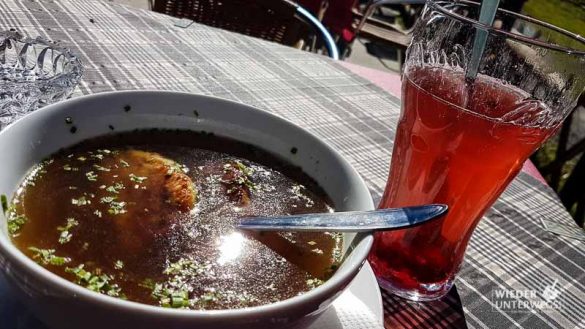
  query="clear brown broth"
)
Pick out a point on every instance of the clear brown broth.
point(196, 254)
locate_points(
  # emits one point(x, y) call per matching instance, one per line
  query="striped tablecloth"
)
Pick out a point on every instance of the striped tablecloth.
point(124, 48)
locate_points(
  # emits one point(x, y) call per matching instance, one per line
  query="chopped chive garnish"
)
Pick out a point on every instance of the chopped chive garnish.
point(115, 188)
point(119, 265)
point(98, 156)
point(100, 168)
point(15, 222)
point(66, 235)
point(314, 283)
point(169, 297)
point(147, 283)
point(101, 283)
point(238, 174)
point(117, 207)
point(91, 176)
point(82, 201)
point(107, 199)
point(47, 257)
point(137, 179)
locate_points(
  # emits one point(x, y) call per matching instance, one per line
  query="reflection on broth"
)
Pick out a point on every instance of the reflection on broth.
point(149, 216)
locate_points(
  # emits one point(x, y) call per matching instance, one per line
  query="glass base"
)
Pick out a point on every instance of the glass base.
point(425, 292)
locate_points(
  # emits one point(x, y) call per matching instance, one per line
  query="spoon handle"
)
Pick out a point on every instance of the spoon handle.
point(350, 221)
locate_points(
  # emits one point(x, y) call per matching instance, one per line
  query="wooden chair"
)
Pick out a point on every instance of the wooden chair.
point(378, 30)
point(280, 21)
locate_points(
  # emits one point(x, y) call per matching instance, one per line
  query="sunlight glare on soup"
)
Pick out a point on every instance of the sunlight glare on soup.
point(149, 216)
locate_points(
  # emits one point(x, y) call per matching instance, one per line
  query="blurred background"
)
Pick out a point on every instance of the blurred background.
point(375, 34)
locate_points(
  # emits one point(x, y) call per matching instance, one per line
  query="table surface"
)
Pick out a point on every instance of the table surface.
point(125, 48)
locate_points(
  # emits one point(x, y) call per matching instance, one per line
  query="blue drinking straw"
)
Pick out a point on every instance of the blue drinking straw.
point(486, 16)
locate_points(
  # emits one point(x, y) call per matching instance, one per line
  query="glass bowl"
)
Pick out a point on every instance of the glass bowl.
point(33, 73)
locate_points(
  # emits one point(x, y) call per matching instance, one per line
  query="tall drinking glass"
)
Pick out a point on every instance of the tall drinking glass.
point(461, 141)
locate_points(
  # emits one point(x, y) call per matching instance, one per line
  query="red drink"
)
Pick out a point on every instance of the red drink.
point(456, 144)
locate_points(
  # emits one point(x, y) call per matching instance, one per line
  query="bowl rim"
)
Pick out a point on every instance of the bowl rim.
point(363, 241)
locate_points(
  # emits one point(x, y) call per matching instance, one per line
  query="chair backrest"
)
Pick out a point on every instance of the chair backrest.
point(273, 20)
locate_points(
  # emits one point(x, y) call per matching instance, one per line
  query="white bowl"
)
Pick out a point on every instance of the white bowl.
point(62, 304)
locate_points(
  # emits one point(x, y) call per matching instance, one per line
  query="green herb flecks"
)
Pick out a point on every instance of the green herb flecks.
point(102, 283)
point(124, 163)
point(174, 292)
point(314, 283)
point(71, 223)
point(68, 167)
point(245, 169)
point(237, 175)
point(177, 293)
point(81, 201)
point(170, 298)
point(175, 167)
point(107, 199)
point(247, 172)
point(137, 179)
point(66, 235)
point(147, 283)
point(118, 265)
point(48, 257)
point(91, 176)
point(98, 156)
point(15, 222)
point(187, 268)
point(100, 168)
point(115, 188)
point(117, 207)
point(212, 295)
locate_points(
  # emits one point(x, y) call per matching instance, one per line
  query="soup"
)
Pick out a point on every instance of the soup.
point(149, 216)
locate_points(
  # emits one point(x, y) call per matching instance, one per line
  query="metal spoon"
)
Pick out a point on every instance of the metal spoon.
point(350, 221)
